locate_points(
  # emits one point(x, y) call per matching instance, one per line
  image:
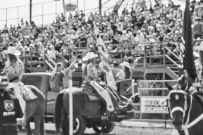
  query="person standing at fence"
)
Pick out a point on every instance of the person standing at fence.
point(9, 109)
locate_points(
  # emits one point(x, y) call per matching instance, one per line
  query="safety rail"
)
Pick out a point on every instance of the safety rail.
point(34, 64)
point(49, 61)
point(30, 59)
point(153, 54)
point(151, 107)
point(169, 58)
point(172, 53)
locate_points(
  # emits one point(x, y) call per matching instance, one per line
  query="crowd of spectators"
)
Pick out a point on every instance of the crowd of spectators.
point(124, 34)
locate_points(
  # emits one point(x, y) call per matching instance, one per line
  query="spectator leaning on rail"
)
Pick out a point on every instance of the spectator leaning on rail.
point(9, 109)
point(14, 70)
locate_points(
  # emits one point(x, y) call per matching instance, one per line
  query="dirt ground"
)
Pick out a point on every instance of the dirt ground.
point(122, 130)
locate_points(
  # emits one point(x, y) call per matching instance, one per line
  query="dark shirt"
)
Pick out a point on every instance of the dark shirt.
point(58, 78)
point(83, 42)
point(77, 77)
point(9, 109)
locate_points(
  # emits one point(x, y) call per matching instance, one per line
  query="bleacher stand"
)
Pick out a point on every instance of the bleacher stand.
point(124, 35)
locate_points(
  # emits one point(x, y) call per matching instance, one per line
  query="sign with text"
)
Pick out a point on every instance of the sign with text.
point(153, 105)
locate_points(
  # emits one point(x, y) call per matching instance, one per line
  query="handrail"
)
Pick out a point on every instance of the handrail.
point(157, 81)
point(172, 60)
point(50, 59)
point(172, 53)
point(49, 64)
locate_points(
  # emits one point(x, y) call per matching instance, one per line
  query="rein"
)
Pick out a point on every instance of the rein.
point(195, 121)
point(187, 125)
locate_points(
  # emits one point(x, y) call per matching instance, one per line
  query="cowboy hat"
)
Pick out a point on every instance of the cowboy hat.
point(89, 56)
point(125, 64)
point(12, 50)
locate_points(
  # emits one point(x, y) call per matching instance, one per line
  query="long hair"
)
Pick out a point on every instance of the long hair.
point(12, 57)
point(128, 73)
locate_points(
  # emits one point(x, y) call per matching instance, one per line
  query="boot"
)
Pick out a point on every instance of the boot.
point(121, 107)
point(119, 103)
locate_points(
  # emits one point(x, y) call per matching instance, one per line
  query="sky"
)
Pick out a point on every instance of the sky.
point(20, 9)
point(49, 10)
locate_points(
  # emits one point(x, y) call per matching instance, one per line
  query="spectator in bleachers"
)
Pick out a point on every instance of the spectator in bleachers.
point(134, 26)
point(198, 28)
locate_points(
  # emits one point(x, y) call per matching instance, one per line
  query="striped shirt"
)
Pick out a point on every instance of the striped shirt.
point(14, 70)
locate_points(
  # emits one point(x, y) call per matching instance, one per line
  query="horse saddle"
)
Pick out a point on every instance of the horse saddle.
point(28, 94)
point(90, 92)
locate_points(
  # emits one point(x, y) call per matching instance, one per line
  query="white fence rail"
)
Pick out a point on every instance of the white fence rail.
point(151, 108)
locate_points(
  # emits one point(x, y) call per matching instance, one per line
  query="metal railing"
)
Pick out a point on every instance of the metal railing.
point(142, 115)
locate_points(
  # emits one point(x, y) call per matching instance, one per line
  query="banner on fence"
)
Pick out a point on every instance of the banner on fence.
point(153, 105)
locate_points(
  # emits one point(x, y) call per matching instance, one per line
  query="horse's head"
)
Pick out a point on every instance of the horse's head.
point(177, 104)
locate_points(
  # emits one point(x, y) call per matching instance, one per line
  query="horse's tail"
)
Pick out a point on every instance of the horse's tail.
point(36, 91)
point(58, 111)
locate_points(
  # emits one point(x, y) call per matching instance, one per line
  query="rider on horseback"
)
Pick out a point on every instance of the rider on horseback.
point(92, 77)
point(14, 70)
point(110, 97)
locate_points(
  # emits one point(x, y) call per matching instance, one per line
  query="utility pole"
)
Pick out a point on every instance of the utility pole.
point(100, 7)
point(30, 11)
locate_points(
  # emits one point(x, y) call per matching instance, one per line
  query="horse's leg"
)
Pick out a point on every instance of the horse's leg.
point(65, 124)
point(37, 121)
point(28, 129)
point(42, 132)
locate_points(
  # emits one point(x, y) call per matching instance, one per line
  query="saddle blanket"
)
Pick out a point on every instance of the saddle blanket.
point(28, 94)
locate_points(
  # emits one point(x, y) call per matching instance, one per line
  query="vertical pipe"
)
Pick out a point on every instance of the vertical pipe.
point(56, 8)
point(6, 16)
point(64, 8)
point(78, 5)
point(18, 15)
point(84, 6)
point(30, 11)
point(42, 13)
point(100, 7)
point(70, 106)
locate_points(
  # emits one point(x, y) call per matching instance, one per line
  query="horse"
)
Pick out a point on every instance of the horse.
point(82, 107)
point(34, 109)
point(88, 111)
point(186, 110)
